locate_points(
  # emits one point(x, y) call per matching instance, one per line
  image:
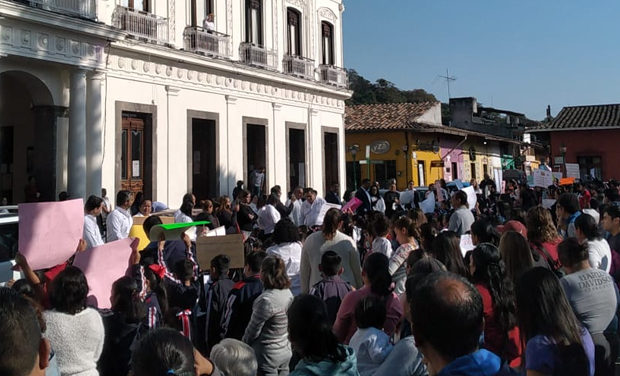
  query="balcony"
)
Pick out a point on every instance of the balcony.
point(141, 25)
point(210, 43)
point(332, 75)
point(258, 56)
point(77, 8)
point(298, 66)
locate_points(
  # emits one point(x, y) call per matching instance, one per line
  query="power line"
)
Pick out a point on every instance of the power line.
point(448, 78)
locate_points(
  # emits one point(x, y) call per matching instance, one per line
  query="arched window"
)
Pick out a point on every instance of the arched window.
point(327, 43)
point(293, 37)
point(254, 22)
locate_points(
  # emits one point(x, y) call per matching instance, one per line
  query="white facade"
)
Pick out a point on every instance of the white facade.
point(198, 104)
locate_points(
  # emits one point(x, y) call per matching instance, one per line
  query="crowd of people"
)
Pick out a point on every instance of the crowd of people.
point(379, 288)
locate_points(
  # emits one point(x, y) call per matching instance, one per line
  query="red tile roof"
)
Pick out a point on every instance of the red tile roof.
point(585, 117)
point(388, 116)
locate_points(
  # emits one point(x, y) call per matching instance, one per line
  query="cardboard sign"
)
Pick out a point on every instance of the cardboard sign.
point(428, 205)
point(207, 247)
point(325, 207)
point(49, 232)
point(172, 231)
point(567, 181)
point(102, 266)
point(218, 231)
point(471, 196)
point(547, 203)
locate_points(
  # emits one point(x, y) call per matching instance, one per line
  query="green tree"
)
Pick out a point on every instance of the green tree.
point(382, 91)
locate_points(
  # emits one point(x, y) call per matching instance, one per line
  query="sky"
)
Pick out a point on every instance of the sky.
point(518, 55)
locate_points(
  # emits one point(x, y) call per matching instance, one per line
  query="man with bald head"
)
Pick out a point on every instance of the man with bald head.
point(447, 321)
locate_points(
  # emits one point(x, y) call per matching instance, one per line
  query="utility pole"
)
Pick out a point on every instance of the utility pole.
point(448, 78)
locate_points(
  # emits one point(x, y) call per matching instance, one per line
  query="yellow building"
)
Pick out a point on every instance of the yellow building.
point(404, 142)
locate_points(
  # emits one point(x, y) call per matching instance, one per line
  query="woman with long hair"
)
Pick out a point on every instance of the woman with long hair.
point(329, 238)
point(407, 235)
point(227, 215)
point(555, 343)
point(447, 248)
point(501, 334)
point(377, 282)
point(288, 248)
point(74, 330)
point(312, 338)
point(587, 233)
point(246, 215)
point(543, 235)
point(266, 332)
point(376, 201)
point(517, 255)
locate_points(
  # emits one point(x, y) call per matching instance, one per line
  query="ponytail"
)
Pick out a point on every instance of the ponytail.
point(377, 271)
point(126, 300)
point(410, 225)
point(157, 286)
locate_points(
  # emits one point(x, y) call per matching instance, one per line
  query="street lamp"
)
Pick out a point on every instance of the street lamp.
point(563, 150)
point(354, 149)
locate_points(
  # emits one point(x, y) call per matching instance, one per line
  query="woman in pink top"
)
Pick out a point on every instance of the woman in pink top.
point(377, 282)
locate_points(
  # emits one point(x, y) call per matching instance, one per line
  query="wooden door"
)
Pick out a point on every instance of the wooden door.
point(132, 155)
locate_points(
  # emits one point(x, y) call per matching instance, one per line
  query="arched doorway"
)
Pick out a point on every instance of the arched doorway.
point(27, 138)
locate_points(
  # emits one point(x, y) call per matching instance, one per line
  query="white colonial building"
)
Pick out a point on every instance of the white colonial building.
point(145, 95)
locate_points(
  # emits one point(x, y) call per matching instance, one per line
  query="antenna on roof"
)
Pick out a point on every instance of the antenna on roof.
point(448, 78)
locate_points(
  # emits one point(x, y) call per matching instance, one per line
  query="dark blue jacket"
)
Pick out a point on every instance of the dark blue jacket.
point(239, 306)
point(479, 363)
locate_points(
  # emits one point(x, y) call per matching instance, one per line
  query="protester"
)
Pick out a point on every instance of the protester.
point(74, 330)
point(586, 232)
point(379, 229)
point(370, 343)
point(330, 238)
point(312, 338)
point(501, 335)
point(145, 209)
point(567, 210)
point(241, 298)
point(611, 224)
point(213, 301)
point(555, 343)
point(543, 235)
point(447, 249)
point(268, 215)
point(333, 195)
point(462, 218)
point(517, 255)
point(246, 217)
point(406, 234)
point(122, 325)
point(226, 216)
point(295, 199)
point(376, 201)
point(119, 221)
point(377, 282)
point(24, 351)
point(92, 209)
point(331, 289)
point(233, 357)
point(311, 208)
point(288, 248)
point(363, 194)
point(483, 231)
point(267, 329)
point(592, 296)
point(447, 321)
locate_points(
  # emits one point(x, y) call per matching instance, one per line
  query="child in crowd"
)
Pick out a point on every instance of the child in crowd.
point(370, 343)
point(331, 289)
point(379, 229)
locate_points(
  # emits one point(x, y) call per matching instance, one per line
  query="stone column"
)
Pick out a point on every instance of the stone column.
point(94, 133)
point(76, 187)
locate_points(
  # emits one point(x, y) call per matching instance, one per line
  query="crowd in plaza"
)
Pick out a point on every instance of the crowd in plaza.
point(358, 285)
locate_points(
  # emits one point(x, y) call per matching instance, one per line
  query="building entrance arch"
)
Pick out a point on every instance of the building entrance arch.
point(27, 138)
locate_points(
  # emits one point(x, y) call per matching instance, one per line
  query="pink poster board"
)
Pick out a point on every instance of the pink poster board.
point(49, 232)
point(102, 266)
point(352, 205)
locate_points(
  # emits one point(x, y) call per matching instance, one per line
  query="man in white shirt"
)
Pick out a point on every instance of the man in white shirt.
point(295, 199)
point(311, 209)
point(92, 209)
point(119, 221)
point(268, 216)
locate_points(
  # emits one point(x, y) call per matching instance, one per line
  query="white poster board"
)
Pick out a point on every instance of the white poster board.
point(557, 175)
point(466, 244)
point(498, 175)
point(428, 205)
point(547, 203)
point(572, 170)
point(471, 197)
point(542, 178)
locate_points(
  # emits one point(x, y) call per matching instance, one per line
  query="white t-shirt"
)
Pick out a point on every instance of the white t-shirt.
point(118, 224)
point(92, 235)
point(268, 216)
point(371, 347)
point(290, 253)
point(599, 254)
